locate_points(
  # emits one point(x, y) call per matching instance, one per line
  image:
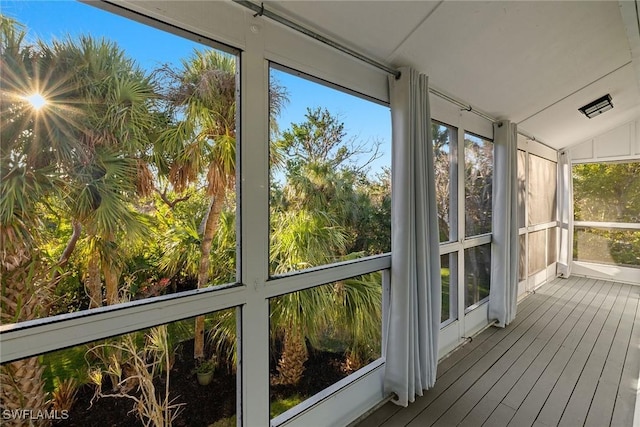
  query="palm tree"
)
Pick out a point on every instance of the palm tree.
point(23, 182)
point(202, 143)
point(107, 104)
point(313, 222)
point(204, 93)
point(78, 150)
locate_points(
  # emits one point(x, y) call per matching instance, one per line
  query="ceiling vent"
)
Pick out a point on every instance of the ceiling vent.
point(597, 107)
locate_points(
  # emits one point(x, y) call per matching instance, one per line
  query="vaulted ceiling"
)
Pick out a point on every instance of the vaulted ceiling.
point(533, 62)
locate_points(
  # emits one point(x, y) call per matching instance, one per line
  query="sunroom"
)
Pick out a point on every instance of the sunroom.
point(350, 213)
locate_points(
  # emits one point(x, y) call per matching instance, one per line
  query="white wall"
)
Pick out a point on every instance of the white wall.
point(620, 143)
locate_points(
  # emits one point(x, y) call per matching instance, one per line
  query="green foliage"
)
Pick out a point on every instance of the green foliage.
point(279, 406)
point(68, 363)
point(319, 139)
point(478, 165)
point(359, 314)
point(607, 192)
point(607, 246)
point(445, 274)
point(117, 175)
point(445, 166)
point(226, 422)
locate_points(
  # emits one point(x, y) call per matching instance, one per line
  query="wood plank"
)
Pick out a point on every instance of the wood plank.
point(550, 337)
point(539, 394)
point(381, 415)
point(513, 344)
point(463, 351)
point(581, 399)
point(525, 308)
point(627, 392)
point(528, 380)
point(528, 346)
point(601, 409)
point(452, 375)
point(389, 409)
point(602, 328)
point(574, 356)
point(500, 417)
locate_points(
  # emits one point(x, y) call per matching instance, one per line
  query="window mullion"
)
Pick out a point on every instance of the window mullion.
point(254, 217)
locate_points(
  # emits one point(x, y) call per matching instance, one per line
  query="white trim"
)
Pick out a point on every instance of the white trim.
point(477, 318)
point(51, 333)
point(228, 23)
point(472, 242)
point(449, 339)
point(616, 159)
point(358, 393)
point(594, 149)
point(233, 24)
point(607, 272)
point(537, 149)
point(448, 247)
point(476, 305)
point(321, 275)
point(540, 227)
point(450, 114)
point(542, 151)
point(602, 224)
point(253, 201)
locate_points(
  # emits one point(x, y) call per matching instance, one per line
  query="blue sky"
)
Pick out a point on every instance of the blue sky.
point(150, 47)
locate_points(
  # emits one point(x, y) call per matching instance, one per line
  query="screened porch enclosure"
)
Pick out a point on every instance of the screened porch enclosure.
point(331, 209)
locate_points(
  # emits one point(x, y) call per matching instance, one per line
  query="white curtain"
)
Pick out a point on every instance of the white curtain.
point(414, 312)
point(565, 214)
point(504, 246)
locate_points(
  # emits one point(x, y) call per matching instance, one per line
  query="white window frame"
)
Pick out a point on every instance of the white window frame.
point(606, 271)
point(531, 282)
point(454, 332)
point(258, 42)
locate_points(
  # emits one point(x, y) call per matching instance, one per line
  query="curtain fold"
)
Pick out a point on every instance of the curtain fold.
point(565, 214)
point(503, 294)
point(415, 302)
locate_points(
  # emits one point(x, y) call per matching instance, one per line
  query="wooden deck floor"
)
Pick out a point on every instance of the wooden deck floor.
point(571, 358)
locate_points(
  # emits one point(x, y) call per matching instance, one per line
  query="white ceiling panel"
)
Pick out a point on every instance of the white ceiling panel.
point(374, 27)
point(527, 61)
point(513, 59)
point(562, 125)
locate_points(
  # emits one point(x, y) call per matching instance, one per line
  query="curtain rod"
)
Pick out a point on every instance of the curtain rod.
point(469, 108)
point(462, 105)
point(261, 11)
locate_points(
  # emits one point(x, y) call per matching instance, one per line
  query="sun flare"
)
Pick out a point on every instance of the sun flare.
point(36, 100)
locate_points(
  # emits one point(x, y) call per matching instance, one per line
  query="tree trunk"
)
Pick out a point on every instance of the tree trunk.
point(25, 296)
point(68, 250)
point(111, 271)
point(210, 227)
point(22, 387)
point(93, 283)
point(111, 279)
point(294, 355)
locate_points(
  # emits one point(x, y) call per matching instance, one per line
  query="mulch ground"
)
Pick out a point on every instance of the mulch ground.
point(204, 404)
